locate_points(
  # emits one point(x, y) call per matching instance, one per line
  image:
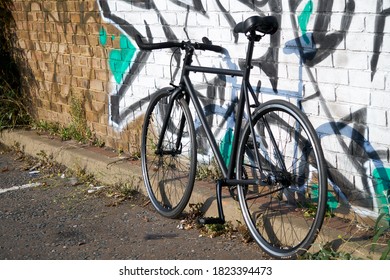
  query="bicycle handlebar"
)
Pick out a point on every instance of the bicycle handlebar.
point(155, 46)
point(167, 45)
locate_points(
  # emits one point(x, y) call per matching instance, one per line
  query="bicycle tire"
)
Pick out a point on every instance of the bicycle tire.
point(169, 176)
point(285, 210)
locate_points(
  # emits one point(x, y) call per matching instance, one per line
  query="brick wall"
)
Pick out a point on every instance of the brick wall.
point(61, 42)
point(86, 49)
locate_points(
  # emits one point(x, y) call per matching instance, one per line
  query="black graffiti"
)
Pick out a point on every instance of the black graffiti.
point(325, 43)
point(380, 21)
point(363, 151)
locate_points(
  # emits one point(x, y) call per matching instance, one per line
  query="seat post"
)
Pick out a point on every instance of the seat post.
point(252, 38)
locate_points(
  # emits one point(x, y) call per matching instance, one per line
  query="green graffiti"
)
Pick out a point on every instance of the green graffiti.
point(226, 146)
point(332, 201)
point(382, 189)
point(303, 20)
point(103, 36)
point(119, 60)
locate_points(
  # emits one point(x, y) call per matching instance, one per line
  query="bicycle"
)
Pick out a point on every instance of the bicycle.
point(276, 169)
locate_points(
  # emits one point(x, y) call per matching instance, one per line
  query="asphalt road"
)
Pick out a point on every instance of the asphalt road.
point(48, 213)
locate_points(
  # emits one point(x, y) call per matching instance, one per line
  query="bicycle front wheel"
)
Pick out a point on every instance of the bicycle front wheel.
point(169, 167)
point(284, 209)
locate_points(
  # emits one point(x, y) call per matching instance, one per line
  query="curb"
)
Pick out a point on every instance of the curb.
point(109, 168)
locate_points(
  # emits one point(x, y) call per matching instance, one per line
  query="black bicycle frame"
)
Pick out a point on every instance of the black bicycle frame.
point(186, 87)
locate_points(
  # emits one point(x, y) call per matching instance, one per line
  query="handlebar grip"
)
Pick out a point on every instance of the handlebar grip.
point(207, 47)
point(155, 46)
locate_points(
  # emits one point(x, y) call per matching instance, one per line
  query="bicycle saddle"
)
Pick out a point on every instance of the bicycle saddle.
point(266, 25)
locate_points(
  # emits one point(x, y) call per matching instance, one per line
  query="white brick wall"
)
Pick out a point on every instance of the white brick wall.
point(363, 6)
point(361, 42)
point(384, 62)
point(351, 60)
point(352, 95)
point(332, 76)
point(380, 99)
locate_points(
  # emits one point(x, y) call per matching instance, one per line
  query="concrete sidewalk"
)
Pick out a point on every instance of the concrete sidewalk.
point(109, 168)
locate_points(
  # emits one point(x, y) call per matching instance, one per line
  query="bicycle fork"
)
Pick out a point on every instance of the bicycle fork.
point(177, 149)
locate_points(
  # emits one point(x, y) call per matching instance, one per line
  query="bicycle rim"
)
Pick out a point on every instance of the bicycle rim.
point(169, 174)
point(284, 211)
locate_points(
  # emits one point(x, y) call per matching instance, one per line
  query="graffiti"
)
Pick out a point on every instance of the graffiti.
point(380, 21)
point(324, 41)
point(120, 59)
point(382, 189)
point(303, 20)
point(360, 197)
point(120, 114)
point(313, 40)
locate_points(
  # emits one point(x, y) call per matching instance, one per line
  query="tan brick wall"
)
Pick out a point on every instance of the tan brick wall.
point(61, 42)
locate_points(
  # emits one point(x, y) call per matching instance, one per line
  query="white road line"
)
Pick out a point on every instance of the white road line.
point(25, 186)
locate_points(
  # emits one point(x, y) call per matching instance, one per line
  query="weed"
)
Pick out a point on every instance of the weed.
point(377, 236)
point(128, 190)
point(191, 218)
point(327, 253)
point(12, 112)
point(77, 129)
point(73, 131)
point(381, 228)
point(16, 79)
point(244, 232)
point(311, 211)
point(214, 230)
point(53, 128)
point(208, 171)
point(135, 154)
point(17, 147)
point(83, 175)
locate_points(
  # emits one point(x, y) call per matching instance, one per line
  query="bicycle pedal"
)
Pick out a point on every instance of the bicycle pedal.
point(210, 220)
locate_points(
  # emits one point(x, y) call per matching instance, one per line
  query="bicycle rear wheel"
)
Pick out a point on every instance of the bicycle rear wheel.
point(284, 210)
point(169, 170)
